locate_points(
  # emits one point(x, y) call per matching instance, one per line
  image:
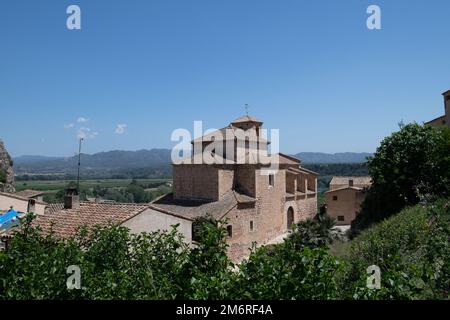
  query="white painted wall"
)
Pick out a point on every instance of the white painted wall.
point(152, 220)
point(19, 205)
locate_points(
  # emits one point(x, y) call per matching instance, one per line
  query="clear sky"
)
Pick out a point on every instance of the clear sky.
point(137, 70)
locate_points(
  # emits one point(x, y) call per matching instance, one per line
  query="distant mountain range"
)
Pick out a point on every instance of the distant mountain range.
point(341, 157)
point(102, 161)
point(154, 158)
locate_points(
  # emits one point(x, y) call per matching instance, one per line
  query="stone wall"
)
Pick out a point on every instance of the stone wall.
point(267, 216)
point(244, 179)
point(195, 182)
point(258, 222)
point(226, 180)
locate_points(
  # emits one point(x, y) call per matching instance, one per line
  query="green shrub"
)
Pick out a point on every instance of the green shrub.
point(114, 264)
point(283, 272)
point(412, 250)
point(314, 233)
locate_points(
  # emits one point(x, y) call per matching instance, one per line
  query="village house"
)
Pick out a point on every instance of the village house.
point(14, 207)
point(344, 198)
point(257, 203)
point(65, 219)
point(22, 202)
point(32, 194)
point(445, 119)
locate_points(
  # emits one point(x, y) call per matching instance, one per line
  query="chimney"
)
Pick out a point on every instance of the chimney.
point(350, 182)
point(71, 199)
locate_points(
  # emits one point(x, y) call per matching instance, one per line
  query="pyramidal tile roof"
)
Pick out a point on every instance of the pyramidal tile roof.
point(246, 118)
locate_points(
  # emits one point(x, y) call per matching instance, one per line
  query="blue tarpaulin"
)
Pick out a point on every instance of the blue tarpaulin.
point(10, 219)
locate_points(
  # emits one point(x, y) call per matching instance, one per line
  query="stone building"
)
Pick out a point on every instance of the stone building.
point(445, 119)
point(258, 202)
point(229, 176)
point(344, 198)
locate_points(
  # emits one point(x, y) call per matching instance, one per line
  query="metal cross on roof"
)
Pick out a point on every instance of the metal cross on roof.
point(246, 109)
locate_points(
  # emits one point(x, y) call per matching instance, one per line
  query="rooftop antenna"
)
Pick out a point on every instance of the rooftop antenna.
point(79, 163)
point(246, 109)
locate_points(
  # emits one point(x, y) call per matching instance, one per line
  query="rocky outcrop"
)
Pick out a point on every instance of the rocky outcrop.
point(6, 170)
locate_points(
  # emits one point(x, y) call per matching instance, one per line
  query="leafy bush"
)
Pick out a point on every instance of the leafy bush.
point(114, 264)
point(411, 163)
point(283, 272)
point(412, 250)
point(314, 233)
point(34, 267)
point(208, 268)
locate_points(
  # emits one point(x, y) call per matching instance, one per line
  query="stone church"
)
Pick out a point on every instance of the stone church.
point(239, 185)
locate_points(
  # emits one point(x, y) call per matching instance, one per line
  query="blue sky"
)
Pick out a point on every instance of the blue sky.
point(310, 68)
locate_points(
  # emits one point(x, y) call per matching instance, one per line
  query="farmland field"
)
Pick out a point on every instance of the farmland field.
point(51, 186)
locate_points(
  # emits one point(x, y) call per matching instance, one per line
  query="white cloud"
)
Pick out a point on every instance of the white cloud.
point(120, 129)
point(82, 120)
point(68, 125)
point(86, 133)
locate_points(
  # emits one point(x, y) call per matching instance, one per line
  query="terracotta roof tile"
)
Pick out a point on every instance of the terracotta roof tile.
point(192, 209)
point(67, 221)
point(341, 181)
point(246, 118)
point(54, 207)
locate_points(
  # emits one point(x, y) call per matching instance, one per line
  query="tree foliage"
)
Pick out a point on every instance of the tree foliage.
point(412, 250)
point(408, 165)
point(314, 233)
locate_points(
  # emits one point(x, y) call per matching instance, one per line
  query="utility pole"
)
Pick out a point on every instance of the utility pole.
point(79, 163)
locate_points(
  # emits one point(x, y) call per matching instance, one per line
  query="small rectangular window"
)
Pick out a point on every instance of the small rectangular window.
point(230, 231)
point(341, 218)
point(334, 198)
point(271, 180)
point(251, 225)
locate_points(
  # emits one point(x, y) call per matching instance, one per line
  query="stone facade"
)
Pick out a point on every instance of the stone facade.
point(258, 205)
